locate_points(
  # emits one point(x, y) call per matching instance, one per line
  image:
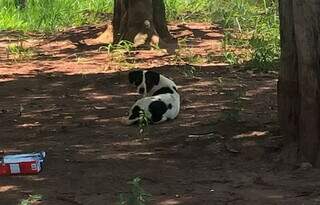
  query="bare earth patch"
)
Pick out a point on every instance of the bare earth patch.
point(223, 148)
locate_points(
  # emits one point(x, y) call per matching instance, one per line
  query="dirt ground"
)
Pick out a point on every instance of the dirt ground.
point(223, 148)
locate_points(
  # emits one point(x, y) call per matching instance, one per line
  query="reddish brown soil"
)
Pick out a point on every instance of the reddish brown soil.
point(223, 148)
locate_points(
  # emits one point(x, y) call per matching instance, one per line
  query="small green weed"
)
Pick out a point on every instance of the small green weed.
point(31, 199)
point(19, 52)
point(185, 55)
point(143, 122)
point(191, 58)
point(189, 72)
point(230, 58)
point(123, 47)
point(120, 53)
point(137, 195)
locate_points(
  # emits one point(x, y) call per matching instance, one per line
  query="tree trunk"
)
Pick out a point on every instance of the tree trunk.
point(142, 22)
point(299, 77)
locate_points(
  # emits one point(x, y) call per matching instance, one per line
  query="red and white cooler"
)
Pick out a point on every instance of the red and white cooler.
point(22, 163)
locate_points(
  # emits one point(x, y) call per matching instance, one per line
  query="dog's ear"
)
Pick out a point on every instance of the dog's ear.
point(152, 79)
point(135, 77)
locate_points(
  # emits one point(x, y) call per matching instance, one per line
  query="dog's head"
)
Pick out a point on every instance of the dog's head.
point(137, 78)
point(151, 79)
point(144, 80)
point(135, 112)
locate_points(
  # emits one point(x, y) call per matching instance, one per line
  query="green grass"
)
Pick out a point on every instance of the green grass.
point(188, 10)
point(253, 23)
point(255, 29)
point(51, 15)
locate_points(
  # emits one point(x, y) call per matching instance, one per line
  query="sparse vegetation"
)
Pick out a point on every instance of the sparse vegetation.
point(136, 196)
point(185, 55)
point(254, 35)
point(19, 52)
point(189, 72)
point(120, 53)
point(231, 58)
point(122, 46)
point(31, 199)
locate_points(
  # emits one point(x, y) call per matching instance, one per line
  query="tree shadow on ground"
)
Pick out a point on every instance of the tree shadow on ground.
point(219, 150)
point(82, 42)
point(222, 149)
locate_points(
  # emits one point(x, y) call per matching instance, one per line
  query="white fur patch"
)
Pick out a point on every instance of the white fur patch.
point(163, 82)
point(144, 103)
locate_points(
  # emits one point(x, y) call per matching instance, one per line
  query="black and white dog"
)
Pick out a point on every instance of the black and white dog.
point(161, 101)
point(157, 108)
point(150, 83)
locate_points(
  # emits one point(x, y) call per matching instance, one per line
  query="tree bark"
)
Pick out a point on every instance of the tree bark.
point(299, 77)
point(142, 22)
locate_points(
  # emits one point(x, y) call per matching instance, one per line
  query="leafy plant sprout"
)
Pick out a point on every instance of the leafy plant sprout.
point(143, 121)
point(136, 196)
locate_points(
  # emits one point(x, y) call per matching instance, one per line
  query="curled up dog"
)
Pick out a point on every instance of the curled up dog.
point(161, 101)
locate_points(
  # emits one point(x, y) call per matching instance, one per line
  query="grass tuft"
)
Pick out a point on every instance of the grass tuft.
point(19, 52)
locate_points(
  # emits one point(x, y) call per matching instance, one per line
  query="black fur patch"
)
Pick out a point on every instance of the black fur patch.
point(169, 107)
point(174, 87)
point(135, 113)
point(135, 77)
point(152, 79)
point(141, 90)
point(157, 109)
point(163, 90)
